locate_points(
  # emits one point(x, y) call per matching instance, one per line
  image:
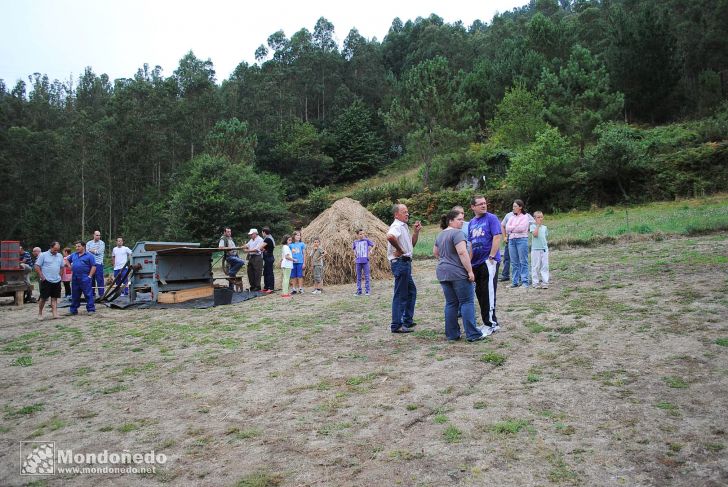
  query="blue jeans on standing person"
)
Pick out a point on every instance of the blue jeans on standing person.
point(99, 276)
point(125, 279)
point(459, 296)
point(82, 284)
point(268, 273)
point(405, 294)
point(518, 250)
point(362, 270)
point(506, 274)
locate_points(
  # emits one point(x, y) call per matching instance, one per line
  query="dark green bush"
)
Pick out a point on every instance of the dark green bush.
point(428, 207)
point(387, 191)
point(319, 200)
point(382, 209)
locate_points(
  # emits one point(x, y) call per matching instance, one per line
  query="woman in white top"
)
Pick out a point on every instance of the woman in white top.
point(286, 264)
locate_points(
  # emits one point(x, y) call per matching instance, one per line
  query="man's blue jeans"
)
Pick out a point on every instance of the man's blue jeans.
point(459, 296)
point(125, 292)
point(506, 274)
point(518, 250)
point(405, 294)
point(99, 276)
point(235, 264)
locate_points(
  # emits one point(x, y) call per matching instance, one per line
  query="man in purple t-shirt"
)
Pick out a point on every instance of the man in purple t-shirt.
point(484, 235)
point(362, 247)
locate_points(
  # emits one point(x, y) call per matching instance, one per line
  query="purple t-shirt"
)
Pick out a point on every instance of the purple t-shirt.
point(361, 249)
point(480, 235)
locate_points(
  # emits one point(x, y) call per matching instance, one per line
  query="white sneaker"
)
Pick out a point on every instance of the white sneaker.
point(544, 286)
point(367, 294)
point(300, 290)
point(494, 328)
point(485, 330)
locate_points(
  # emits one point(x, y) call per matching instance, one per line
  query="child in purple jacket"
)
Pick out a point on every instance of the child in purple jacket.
point(362, 248)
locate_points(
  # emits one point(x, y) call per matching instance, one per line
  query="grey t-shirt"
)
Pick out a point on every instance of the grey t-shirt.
point(449, 267)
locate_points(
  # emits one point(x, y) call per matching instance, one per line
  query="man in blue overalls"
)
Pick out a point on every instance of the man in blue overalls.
point(83, 266)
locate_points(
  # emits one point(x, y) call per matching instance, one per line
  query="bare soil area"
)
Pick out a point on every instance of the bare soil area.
point(616, 375)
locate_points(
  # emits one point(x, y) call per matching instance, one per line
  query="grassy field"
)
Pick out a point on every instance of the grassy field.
point(616, 375)
point(608, 225)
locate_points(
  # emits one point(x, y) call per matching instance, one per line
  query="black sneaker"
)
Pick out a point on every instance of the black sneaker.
point(477, 339)
point(504, 279)
point(403, 329)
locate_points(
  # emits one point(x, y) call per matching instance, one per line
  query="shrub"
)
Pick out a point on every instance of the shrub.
point(447, 170)
point(214, 192)
point(382, 209)
point(545, 165)
point(428, 207)
point(319, 200)
point(388, 191)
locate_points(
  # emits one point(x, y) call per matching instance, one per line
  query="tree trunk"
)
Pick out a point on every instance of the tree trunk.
point(621, 188)
point(83, 192)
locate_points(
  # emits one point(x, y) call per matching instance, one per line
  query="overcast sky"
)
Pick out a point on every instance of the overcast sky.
point(61, 38)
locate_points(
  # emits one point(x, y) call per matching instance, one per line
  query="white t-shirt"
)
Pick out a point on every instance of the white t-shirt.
point(400, 230)
point(121, 255)
point(285, 263)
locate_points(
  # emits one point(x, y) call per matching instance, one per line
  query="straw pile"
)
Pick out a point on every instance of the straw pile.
point(336, 228)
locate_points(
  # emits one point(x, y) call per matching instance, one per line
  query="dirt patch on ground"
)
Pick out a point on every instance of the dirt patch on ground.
point(616, 375)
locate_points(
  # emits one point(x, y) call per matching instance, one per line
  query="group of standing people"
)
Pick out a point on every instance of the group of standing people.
point(468, 256)
point(516, 227)
point(259, 254)
point(293, 263)
point(80, 273)
point(468, 263)
point(295, 257)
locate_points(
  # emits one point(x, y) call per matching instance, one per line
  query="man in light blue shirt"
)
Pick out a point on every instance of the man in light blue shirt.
point(96, 247)
point(48, 266)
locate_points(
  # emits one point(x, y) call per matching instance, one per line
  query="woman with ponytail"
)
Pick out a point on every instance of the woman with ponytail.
point(456, 277)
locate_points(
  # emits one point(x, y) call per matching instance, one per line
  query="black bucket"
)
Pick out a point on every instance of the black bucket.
point(223, 295)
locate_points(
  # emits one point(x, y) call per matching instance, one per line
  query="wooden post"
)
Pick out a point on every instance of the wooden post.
point(18, 301)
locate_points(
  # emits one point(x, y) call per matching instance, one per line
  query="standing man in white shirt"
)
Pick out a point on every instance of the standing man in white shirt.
point(119, 257)
point(255, 259)
point(48, 266)
point(399, 253)
point(97, 247)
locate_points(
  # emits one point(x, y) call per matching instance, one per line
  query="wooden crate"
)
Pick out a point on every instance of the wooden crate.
point(172, 297)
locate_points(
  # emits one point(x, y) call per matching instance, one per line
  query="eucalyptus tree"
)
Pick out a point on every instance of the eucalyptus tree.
point(197, 106)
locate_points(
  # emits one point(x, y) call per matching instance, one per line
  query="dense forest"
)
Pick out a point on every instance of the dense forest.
point(564, 104)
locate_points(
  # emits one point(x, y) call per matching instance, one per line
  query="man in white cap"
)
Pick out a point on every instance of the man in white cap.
point(255, 259)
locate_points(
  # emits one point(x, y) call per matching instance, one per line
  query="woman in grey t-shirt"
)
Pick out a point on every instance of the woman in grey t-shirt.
point(456, 277)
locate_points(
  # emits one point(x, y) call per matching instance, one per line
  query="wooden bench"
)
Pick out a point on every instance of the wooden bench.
point(16, 290)
point(237, 282)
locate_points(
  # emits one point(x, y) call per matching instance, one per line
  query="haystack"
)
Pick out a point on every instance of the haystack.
point(336, 228)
